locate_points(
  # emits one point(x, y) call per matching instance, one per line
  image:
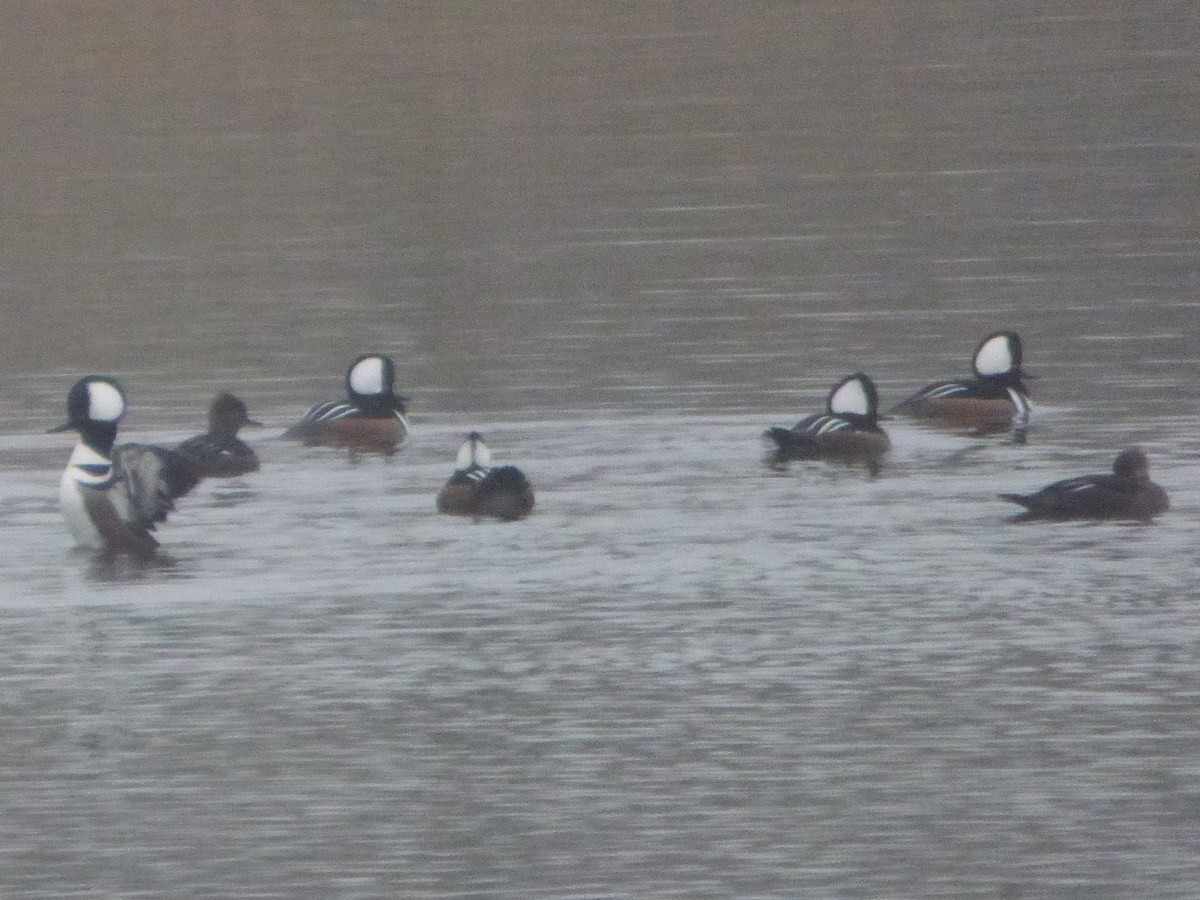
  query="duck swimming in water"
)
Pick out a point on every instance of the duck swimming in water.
point(371, 418)
point(848, 430)
point(112, 498)
point(995, 398)
point(219, 453)
point(477, 489)
point(1128, 493)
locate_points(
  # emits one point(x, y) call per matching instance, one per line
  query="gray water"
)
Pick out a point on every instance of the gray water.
point(620, 240)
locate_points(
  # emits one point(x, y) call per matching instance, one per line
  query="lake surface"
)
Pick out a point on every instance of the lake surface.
point(620, 240)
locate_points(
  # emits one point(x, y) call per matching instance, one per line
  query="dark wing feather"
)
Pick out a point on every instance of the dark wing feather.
point(966, 389)
point(153, 479)
point(506, 493)
point(505, 478)
point(1093, 496)
point(219, 456)
point(803, 439)
point(120, 536)
point(203, 445)
point(939, 390)
point(308, 427)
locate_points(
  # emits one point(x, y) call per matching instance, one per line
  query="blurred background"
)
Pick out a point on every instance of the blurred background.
point(595, 205)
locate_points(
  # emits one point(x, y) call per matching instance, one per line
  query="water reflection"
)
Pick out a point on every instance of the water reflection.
point(123, 569)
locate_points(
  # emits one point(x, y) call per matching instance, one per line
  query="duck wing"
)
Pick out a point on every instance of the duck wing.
point(804, 438)
point(938, 390)
point(219, 456)
point(153, 478)
point(1085, 497)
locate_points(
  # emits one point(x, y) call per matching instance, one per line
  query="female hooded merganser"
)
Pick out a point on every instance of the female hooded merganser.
point(1128, 493)
point(995, 398)
point(112, 499)
point(372, 419)
point(475, 489)
point(219, 453)
point(848, 430)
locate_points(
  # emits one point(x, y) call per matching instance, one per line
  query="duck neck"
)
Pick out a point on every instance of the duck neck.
point(100, 437)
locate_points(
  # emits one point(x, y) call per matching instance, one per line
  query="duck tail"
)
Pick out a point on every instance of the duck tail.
point(790, 441)
point(1019, 499)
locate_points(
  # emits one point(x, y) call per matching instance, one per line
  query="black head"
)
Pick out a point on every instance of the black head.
point(854, 398)
point(227, 414)
point(95, 404)
point(1132, 464)
point(371, 384)
point(998, 358)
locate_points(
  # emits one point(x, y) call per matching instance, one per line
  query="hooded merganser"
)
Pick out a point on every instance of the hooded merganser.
point(112, 499)
point(372, 419)
point(995, 398)
point(1128, 493)
point(219, 453)
point(475, 489)
point(848, 430)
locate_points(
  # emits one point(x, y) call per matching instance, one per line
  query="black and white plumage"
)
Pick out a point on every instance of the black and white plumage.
point(372, 418)
point(219, 453)
point(848, 430)
point(1128, 493)
point(995, 398)
point(113, 499)
point(477, 489)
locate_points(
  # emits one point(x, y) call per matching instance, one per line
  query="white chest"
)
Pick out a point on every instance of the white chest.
point(75, 511)
point(86, 471)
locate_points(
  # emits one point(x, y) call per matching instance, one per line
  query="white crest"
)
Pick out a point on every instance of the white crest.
point(367, 376)
point(850, 398)
point(473, 452)
point(105, 403)
point(995, 356)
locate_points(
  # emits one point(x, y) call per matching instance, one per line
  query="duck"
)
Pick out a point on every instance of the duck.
point(219, 453)
point(113, 498)
point(848, 430)
point(371, 419)
point(1128, 493)
point(994, 399)
point(476, 489)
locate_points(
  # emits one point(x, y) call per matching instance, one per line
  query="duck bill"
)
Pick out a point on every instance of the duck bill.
point(59, 429)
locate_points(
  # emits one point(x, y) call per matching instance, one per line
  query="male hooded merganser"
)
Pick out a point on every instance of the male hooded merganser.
point(848, 430)
point(995, 398)
point(372, 419)
point(219, 453)
point(475, 489)
point(112, 499)
point(1128, 493)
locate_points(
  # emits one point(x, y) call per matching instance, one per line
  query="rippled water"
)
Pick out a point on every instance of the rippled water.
point(621, 243)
